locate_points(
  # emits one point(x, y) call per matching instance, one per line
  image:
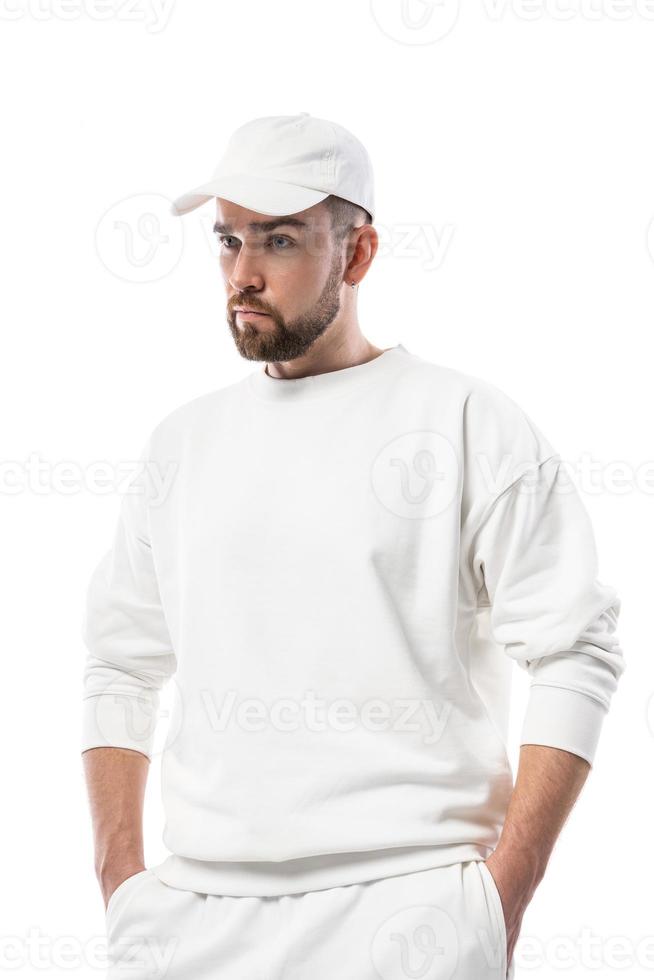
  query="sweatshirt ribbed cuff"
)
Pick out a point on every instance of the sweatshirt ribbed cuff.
point(118, 721)
point(563, 719)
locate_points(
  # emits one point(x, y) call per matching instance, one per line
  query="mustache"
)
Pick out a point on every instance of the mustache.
point(248, 304)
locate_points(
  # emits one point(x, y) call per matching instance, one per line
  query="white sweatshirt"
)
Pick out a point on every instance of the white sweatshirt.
point(340, 571)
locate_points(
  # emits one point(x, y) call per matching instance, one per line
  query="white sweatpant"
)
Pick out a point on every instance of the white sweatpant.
point(441, 924)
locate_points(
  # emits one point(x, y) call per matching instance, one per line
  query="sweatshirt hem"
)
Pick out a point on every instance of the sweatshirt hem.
point(269, 878)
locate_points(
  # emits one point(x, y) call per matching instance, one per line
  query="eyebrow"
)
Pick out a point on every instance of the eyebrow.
point(262, 225)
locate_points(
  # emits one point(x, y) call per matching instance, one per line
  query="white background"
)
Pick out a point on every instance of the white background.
point(514, 156)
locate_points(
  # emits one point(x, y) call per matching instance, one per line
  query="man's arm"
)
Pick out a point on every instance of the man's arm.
point(535, 558)
point(547, 785)
point(116, 780)
point(130, 658)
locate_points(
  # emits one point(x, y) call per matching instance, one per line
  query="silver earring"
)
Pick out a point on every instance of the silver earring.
point(352, 284)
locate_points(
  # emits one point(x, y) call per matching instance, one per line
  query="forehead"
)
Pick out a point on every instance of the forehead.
point(232, 219)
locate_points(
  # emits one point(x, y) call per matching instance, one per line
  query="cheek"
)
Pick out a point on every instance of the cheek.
point(301, 278)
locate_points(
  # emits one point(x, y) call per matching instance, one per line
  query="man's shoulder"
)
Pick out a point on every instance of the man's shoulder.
point(494, 426)
point(472, 391)
point(194, 415)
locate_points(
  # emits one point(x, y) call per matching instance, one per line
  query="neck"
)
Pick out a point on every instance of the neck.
point(330, 352)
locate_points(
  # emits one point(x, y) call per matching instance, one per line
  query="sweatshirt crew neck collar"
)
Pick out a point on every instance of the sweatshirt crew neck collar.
point(328, 383)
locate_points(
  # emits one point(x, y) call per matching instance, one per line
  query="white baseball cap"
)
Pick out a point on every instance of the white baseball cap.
point(279, 165)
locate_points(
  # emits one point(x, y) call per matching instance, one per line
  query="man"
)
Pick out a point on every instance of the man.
point(355, 546)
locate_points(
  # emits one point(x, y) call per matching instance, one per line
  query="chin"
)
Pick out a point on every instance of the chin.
point(250, 344)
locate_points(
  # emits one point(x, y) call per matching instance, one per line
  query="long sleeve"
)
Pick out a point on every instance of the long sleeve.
point(130, 654)
point(536, 562)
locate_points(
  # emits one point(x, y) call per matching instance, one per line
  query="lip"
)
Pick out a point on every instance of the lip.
point(250, 313)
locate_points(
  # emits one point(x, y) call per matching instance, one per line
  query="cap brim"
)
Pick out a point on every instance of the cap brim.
point(258, 194)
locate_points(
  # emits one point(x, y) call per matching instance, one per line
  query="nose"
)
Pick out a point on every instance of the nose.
point(244, 274)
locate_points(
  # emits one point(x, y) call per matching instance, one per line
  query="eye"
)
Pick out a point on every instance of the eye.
point(227, 241)
point(281, 242)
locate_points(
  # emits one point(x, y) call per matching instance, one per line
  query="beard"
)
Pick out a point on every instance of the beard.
point(289, 339)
